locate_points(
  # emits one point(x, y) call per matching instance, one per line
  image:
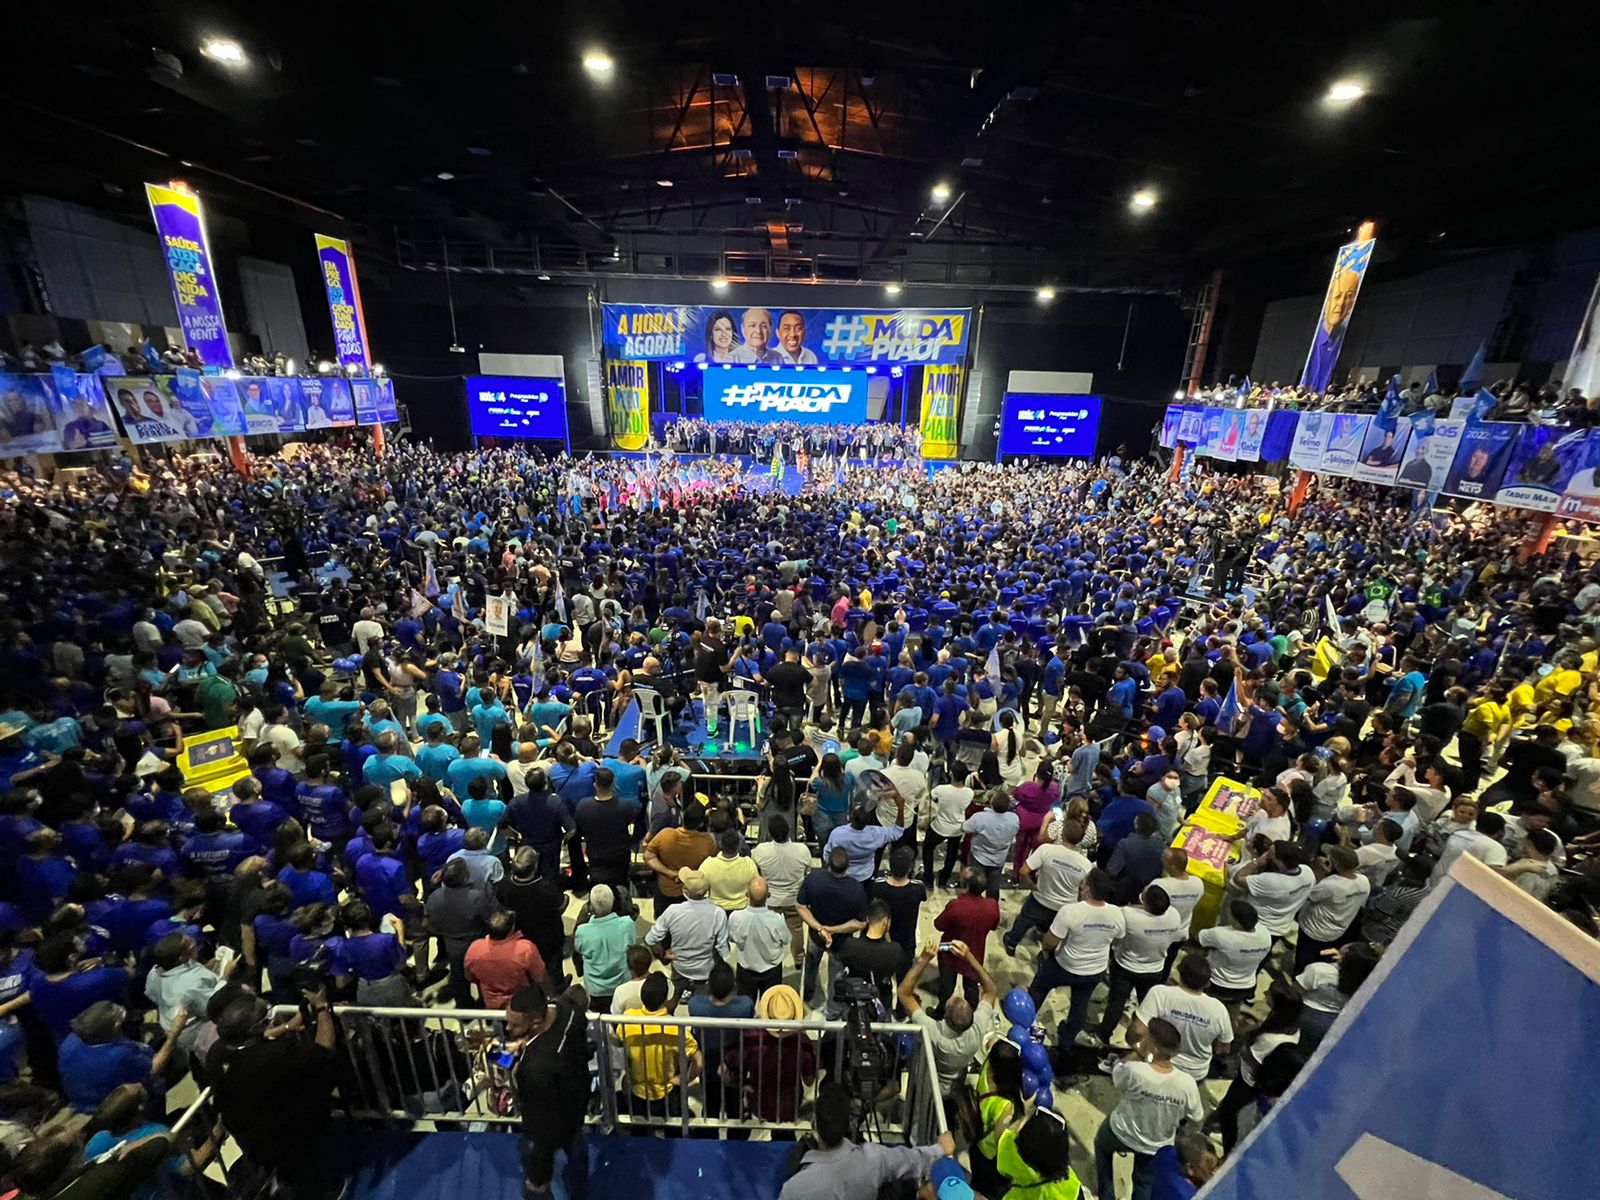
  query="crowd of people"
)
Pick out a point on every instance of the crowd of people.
point(990, 682)
point(876, 441)
point(1548, 403)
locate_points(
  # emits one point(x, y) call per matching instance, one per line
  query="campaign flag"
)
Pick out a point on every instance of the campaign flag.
point(1310, 440)
point(1345, 437)
point(430, 577)
point(702, 605)
point(1330, 615)
point(419, 603)
point(1389, 408)
point(496, 615)
point(1228, 713)
point(991, 665)
point(1483, 402)
point(1542, 462)
point(1477, 956)
point(458, 602)
point(338, 265)
point(81, 412)
point(627, 729)
point(181, 228)
point(561, 601)
point(1349, 269)
point(153, 357)
point(1431, 388)
point(1480, 459)
point(1472, 373)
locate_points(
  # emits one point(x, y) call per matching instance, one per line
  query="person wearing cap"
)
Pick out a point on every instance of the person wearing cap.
point(773, 1066)
point(1155, 1099)
point(839, 1169)
point(1333, 904)
point(600, 947)
point(692, 936)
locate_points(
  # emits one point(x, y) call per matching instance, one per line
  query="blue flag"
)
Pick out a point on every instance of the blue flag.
point(153, 357)
point(1389, 409)
point(1422, 423)
point(1473, 372)
point(1482, 405)
point(1229, 712)
point(430, 578)
point(1431, 388)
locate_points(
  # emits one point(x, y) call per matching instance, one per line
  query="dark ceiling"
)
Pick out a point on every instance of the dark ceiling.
point(802, 140)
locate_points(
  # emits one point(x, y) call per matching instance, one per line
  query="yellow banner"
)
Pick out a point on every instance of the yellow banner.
point(941, 406)
point(628, 403)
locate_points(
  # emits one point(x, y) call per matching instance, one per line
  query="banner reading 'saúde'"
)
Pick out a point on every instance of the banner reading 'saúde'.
point(628, 403)
point(1349, 269)
point(774, 336)
point(180, 224)
point(941, 407)
point(344, 303)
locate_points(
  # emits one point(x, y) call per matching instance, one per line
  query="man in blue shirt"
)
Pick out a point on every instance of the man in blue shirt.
point(382, 879)
point(323, 805)
point(632, 783)
point(487, 713)
point(330, 709)
point(1170, 702)
point(215, 851)
point(387, 765)
point(470, 765)
point(861, 840)
point(1405, 697)
point(1122, 693)
point(435, 758)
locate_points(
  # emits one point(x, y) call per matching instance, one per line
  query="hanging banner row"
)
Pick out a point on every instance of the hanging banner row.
point(68, 410)
point(774, 336)
point(1546, 468)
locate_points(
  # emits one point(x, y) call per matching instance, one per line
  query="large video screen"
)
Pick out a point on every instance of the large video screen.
point(517, 406)
point(1067, 426)
point(775, 394)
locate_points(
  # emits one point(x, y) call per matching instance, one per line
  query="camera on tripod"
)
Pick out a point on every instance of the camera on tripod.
point(865, 1057)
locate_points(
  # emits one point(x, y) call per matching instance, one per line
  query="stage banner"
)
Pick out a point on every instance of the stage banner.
point(149, 409)
point(1310, 440)
point(365, 392)
point(1477, 956)
point(1213, 424)
point(1480, 459)
point(327, 402)
point(1252, 434)
point(777, 336)
point(1171, 422)
point(1543, 461)
point(222, 400)
point(1349, 268)
point(628, 403)
point(28, 416)
point(388, 411)
point(1192, 422)
point(941, 407)
point(180, 224)
point(344, 303)
point(81, 413)
point(1428, 455)
point(1381, 450)
point(1345, 436)
point(775, 394)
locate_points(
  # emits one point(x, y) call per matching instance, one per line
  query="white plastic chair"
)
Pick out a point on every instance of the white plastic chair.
point(744, 708)
point(652, 712)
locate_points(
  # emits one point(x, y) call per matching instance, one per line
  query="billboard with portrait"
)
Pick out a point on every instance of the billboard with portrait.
point(1429, 452)
point(28, 420)
point(771, 335)
point(1253, 433)
point(1541, 464)
point(1333, 320)
point(1345, 436)
point(1381, 451)
point(1480, 459)
point(1311, 432)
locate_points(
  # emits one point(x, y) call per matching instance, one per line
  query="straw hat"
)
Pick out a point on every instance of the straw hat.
point(781, 1003)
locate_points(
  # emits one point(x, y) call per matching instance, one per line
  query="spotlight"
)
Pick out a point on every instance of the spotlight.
point(1178, 395)
point(223, 50)
point(1046, 294)
point(678, 366)
point(891, 289)
point(598, 63)
point(324, 367)
point(897, 371)
point(719, 284)
point(288, 366)
point(819, 368)
point(727, 366)
point(663, 183)
point(751, 367)
point(1143, 200)
point(378, 371)
point(543, 278)
point(456, 348)
point(1345, 91)
point(703, 366)
point(231, 373)
point(941, 192)
point(352, 369)
point(846, 370)
point(445, 176)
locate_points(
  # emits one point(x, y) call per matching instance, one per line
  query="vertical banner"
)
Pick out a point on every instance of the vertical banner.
point(1343, 450)
point(1381, 452)
point(628, 402)
point(365, 393)
point(1583, 368)
point(344, 302)
point(1254, 434)
point(1349, 269)
point(181, 227)
point(941, 407)
point(1310, 440)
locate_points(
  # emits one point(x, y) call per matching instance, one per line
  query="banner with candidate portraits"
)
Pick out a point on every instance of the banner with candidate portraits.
point(28, 418)
point(364, 392)
point(1542, 462)
point(148, 409)
point(1190, 424)
point(222, 403)
point(1310, 440)
point(1252, 433)
point(1227, 448)
point(81, 413)
point(1381, 451)
point(1581, 496)
point(1429, 452)
point(1213, 424)
point(769, 335)
point(388, 410)
point(1343, 451)
point(258, 405)
point(327, 401)
point(1480, 459)
point(1171, 422)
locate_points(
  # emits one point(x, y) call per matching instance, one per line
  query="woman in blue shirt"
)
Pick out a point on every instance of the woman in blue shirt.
point(375, 960)
point(832, 787)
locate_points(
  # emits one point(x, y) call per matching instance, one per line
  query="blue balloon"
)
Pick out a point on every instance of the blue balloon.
point(1045, 1098)
point(1019, 1007)
point(1046, 1076)
point(1035, 1058)
point(1030, 1083)
point(1020, 1034)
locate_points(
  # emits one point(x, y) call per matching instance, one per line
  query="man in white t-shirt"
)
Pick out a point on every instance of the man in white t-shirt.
point(1055, 871)
point(1378, 859)
point(1482, 842)
point(367, 630)
point(783, 863)
point(1278, 882)
point(1236, 953)
point(1139, 956)
point(1077, 950)
point(1204, 1026)
point(1182, 888)
point(1333, 905)
point(1156, 1098)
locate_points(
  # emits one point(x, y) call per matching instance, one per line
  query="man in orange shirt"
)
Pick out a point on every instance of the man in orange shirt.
point(675, 848)
point(503, 963)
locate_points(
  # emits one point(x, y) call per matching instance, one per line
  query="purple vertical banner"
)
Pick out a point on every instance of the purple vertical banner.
point(344, 302)
point(181, 227)
point(1333, 321)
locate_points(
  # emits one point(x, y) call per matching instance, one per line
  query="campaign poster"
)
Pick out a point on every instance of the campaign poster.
point(1480, 459)
point(81, 411)
point(1349, 269)
point(1171, 422)
point(327, 402)
point(1428, 453)
point(180, 225)
point(27, 416)
point(1190, 424)
point(1213, 424)
point(149, 409)
point(256, 402)
point(1253, 434)
point(1343, 451)
point(1541, 464)
point(388, 412)
point(1381, 451)
point(1581, 497)
point(227, 412)
point(941, 405)
point(767, 335)
point(338, 265)
point(1310, 440)
point(287, 407)
point(365, 393)
point(628, 403)
point(1227, 447)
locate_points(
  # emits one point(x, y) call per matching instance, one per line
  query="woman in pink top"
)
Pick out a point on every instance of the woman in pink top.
point(1032, 802)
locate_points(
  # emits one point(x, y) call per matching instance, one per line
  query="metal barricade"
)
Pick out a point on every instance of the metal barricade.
point(656, 1075)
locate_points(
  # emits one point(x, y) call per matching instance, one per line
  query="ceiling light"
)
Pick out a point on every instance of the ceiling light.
point(444, 176)
point(1345, 91)
point(1143, 200)
point(663, 183)
point(719, 283)
point(892, 289)
point(598, 63)
point(941, 192)
point(1046, 294)
point(223, 50)
point(543, 277)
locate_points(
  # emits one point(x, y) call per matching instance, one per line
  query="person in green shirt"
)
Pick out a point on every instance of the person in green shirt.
point(600, 946)
point(214, 696)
